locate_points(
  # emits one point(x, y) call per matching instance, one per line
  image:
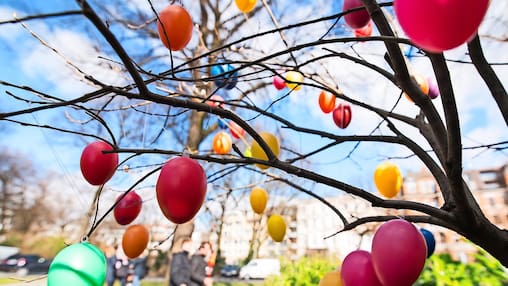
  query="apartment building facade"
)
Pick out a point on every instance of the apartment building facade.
point(312, 225)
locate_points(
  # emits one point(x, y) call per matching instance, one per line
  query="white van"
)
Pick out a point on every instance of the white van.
point(260, 268)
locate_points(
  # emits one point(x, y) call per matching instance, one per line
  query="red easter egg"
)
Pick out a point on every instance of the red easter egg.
point(437, 25)
point(365, 31)
point(181, 189)
point(357, 270)
point(279, 82)
point(128, 208)
point(358, 19)
point(97, 167)
point(177, 25)
point(398, 253)
point(326, 101)
point(236, 130)
point(342, 115)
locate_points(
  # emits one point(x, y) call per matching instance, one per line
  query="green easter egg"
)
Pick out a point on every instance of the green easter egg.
point(81, 264)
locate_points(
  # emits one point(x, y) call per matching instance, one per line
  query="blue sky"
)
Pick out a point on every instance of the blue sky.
point(26, 62)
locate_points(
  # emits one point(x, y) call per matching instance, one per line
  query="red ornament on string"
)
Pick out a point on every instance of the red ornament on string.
point(365, 31)
point(97, 167)
point(175, 27)
point(342, 115)
point(128, 208)
point(357, 19)
point(181, 189)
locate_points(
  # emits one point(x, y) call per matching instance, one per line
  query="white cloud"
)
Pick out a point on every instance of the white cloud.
point(78, 49)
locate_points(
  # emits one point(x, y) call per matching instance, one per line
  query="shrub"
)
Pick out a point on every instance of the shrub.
point(304, 272)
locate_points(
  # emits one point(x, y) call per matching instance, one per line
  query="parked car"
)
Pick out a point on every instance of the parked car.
point(230, 270)
point(24, 264)
point(260, 268)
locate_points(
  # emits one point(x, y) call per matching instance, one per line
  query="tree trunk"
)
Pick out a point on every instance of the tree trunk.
point(489, 237)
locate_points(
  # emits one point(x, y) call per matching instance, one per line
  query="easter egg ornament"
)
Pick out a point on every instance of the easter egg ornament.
point(388, 179)
point(342, 115)
point(398, 253)
point(279, 82)
point(357, 19)
point(247, 153)
point(245, 5)
point(422, 82)
point(224, 75)
point(357, 269)
point(222, 143)
point(365, 31)
point(331, 278)
point(135, 240)
point(294, 80)
point(258, 153)
point(175, 27)
point(276, 227)
point(216, 100)
point(222, 124)
point(80, 264)
point(128, 208)
point(181, 189)
point(436, 25)
point(97, 167)
point(236, 130)
point(430, 241)
point(258, 199)
point(433, 88)
point(327, 101)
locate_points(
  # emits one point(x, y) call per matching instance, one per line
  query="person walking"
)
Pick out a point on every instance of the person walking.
point(140, 269)
point(110, 270)
point(199, 264)
point(180, 270)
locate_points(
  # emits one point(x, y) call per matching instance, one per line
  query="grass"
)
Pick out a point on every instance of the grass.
point(4, 281)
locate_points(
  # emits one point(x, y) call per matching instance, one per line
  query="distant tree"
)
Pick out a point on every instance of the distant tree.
point(16, 177)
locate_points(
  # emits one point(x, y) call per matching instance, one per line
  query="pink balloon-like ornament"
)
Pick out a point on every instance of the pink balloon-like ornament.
point(398, 253)
point(437, 25)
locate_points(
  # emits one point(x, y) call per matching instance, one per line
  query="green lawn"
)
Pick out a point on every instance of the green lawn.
point(4, 281)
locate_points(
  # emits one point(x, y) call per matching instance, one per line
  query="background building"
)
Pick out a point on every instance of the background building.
point(489, 187)
point(309, 221)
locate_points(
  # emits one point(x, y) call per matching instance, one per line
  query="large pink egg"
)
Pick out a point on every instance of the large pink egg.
point(358, 19)
point(398, 253)
point(440, 25)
